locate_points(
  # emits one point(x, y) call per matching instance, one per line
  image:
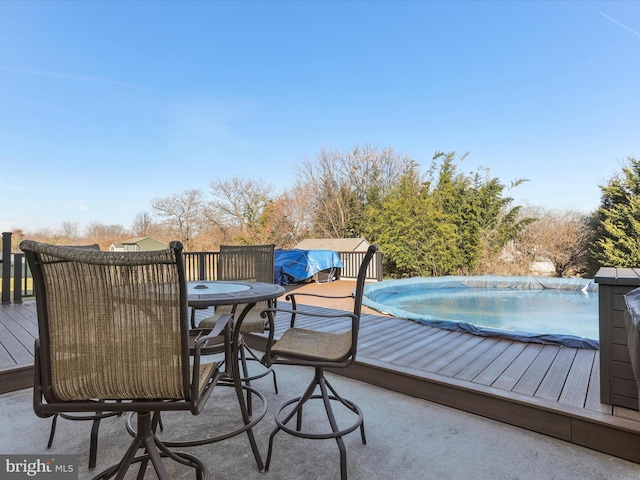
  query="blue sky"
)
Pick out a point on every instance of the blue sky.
point(107, 105)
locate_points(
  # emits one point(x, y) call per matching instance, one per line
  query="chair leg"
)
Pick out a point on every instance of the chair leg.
point(245, 375)
point(95, 427)
point(296, 411)
point(351, 406)
point(325, 387)
point(54, 422)
point(237, 383)
point(275, 381)
point(156, 421)
point(334, 428)
point(255, 358)
point(154, 451)
point(93, 443)
point(193, 318)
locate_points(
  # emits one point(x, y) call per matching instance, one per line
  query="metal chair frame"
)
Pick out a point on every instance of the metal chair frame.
point(89, 301)
point(292, 349)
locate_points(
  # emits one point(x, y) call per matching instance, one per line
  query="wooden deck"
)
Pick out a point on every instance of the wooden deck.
point(543, 388)
point(18, 329)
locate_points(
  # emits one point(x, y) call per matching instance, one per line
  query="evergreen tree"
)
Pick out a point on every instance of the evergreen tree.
point(441, 226)
point(617, 241)
point(397, 227)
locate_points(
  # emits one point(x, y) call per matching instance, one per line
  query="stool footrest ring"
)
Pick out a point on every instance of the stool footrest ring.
point(321, 436)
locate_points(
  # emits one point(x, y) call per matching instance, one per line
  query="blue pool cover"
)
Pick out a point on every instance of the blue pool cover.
point(294, 266)
point(376, 294)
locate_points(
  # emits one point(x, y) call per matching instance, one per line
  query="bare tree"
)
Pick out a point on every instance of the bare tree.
point(562, 238)
point(104, 235)
point(45, 235)
point(558, 237)
point(238, 205)
point(17, 236)
point(143, 225)
point(183, 214)
point(341, 184)
point(69, 231)
point(286, 220)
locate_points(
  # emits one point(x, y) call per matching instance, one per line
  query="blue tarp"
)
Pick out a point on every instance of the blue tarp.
point(294, 266)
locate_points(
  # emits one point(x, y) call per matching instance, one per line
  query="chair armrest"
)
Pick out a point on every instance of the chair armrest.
point(217, 329)
point(353, 316)
point(291, 296)
point(223, 323)
point(270, 328)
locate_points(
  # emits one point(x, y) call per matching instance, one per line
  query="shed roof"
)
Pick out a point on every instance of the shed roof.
point(336, 244)
point(134, 240)
point(144, 243)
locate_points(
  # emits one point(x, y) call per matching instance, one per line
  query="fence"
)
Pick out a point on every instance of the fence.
point(204, 265)
point(199, 266)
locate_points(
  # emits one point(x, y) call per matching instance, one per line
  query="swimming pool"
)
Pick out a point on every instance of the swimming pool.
point(535, 309)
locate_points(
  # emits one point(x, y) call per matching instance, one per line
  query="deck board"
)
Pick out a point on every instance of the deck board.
point(17, 333)
point(415, 343)
point(553, 382)
point(577, 382)
point(20, 321)
point(531, 379)
point(593, 394)
point(434, 360)
point(6, 360)
point(455, 351)
point(477, 347)
point(477, 366)
point(545, 388)
point(434, 341)
point(493, 371)
point(512, 374)
point(381, 345)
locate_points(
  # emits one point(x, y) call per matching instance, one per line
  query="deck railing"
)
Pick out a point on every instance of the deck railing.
point(198, 265)
point(204, 265)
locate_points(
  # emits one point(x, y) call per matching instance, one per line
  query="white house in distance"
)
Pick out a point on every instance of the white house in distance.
point(336, 244)
point(138, 244)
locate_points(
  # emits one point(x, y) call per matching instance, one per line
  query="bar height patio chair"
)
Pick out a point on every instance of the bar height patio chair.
point(320, 350)
point(245, 263)
point(114, 336)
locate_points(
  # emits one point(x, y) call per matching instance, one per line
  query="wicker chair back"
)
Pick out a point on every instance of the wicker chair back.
point(111, 325)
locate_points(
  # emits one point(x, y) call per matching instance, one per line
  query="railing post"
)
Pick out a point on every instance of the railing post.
point(379, 276)
point(17, 278)
point(6, 268)
point(201, 266)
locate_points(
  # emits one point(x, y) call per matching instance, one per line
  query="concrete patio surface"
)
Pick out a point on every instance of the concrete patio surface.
point(407, 438)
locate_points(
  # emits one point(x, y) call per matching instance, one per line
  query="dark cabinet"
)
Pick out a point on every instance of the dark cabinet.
point(617, 382)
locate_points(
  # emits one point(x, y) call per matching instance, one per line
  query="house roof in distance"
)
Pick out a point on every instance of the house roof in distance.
point(134, 240)
point(336, 244)
point(138, 243)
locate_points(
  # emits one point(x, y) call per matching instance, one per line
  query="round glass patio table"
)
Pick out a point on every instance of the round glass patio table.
point(213, 293)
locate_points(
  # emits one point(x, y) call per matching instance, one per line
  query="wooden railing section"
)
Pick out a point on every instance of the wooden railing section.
point(198, 265)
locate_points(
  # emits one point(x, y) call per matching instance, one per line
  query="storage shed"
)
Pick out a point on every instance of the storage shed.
point(138, 244)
